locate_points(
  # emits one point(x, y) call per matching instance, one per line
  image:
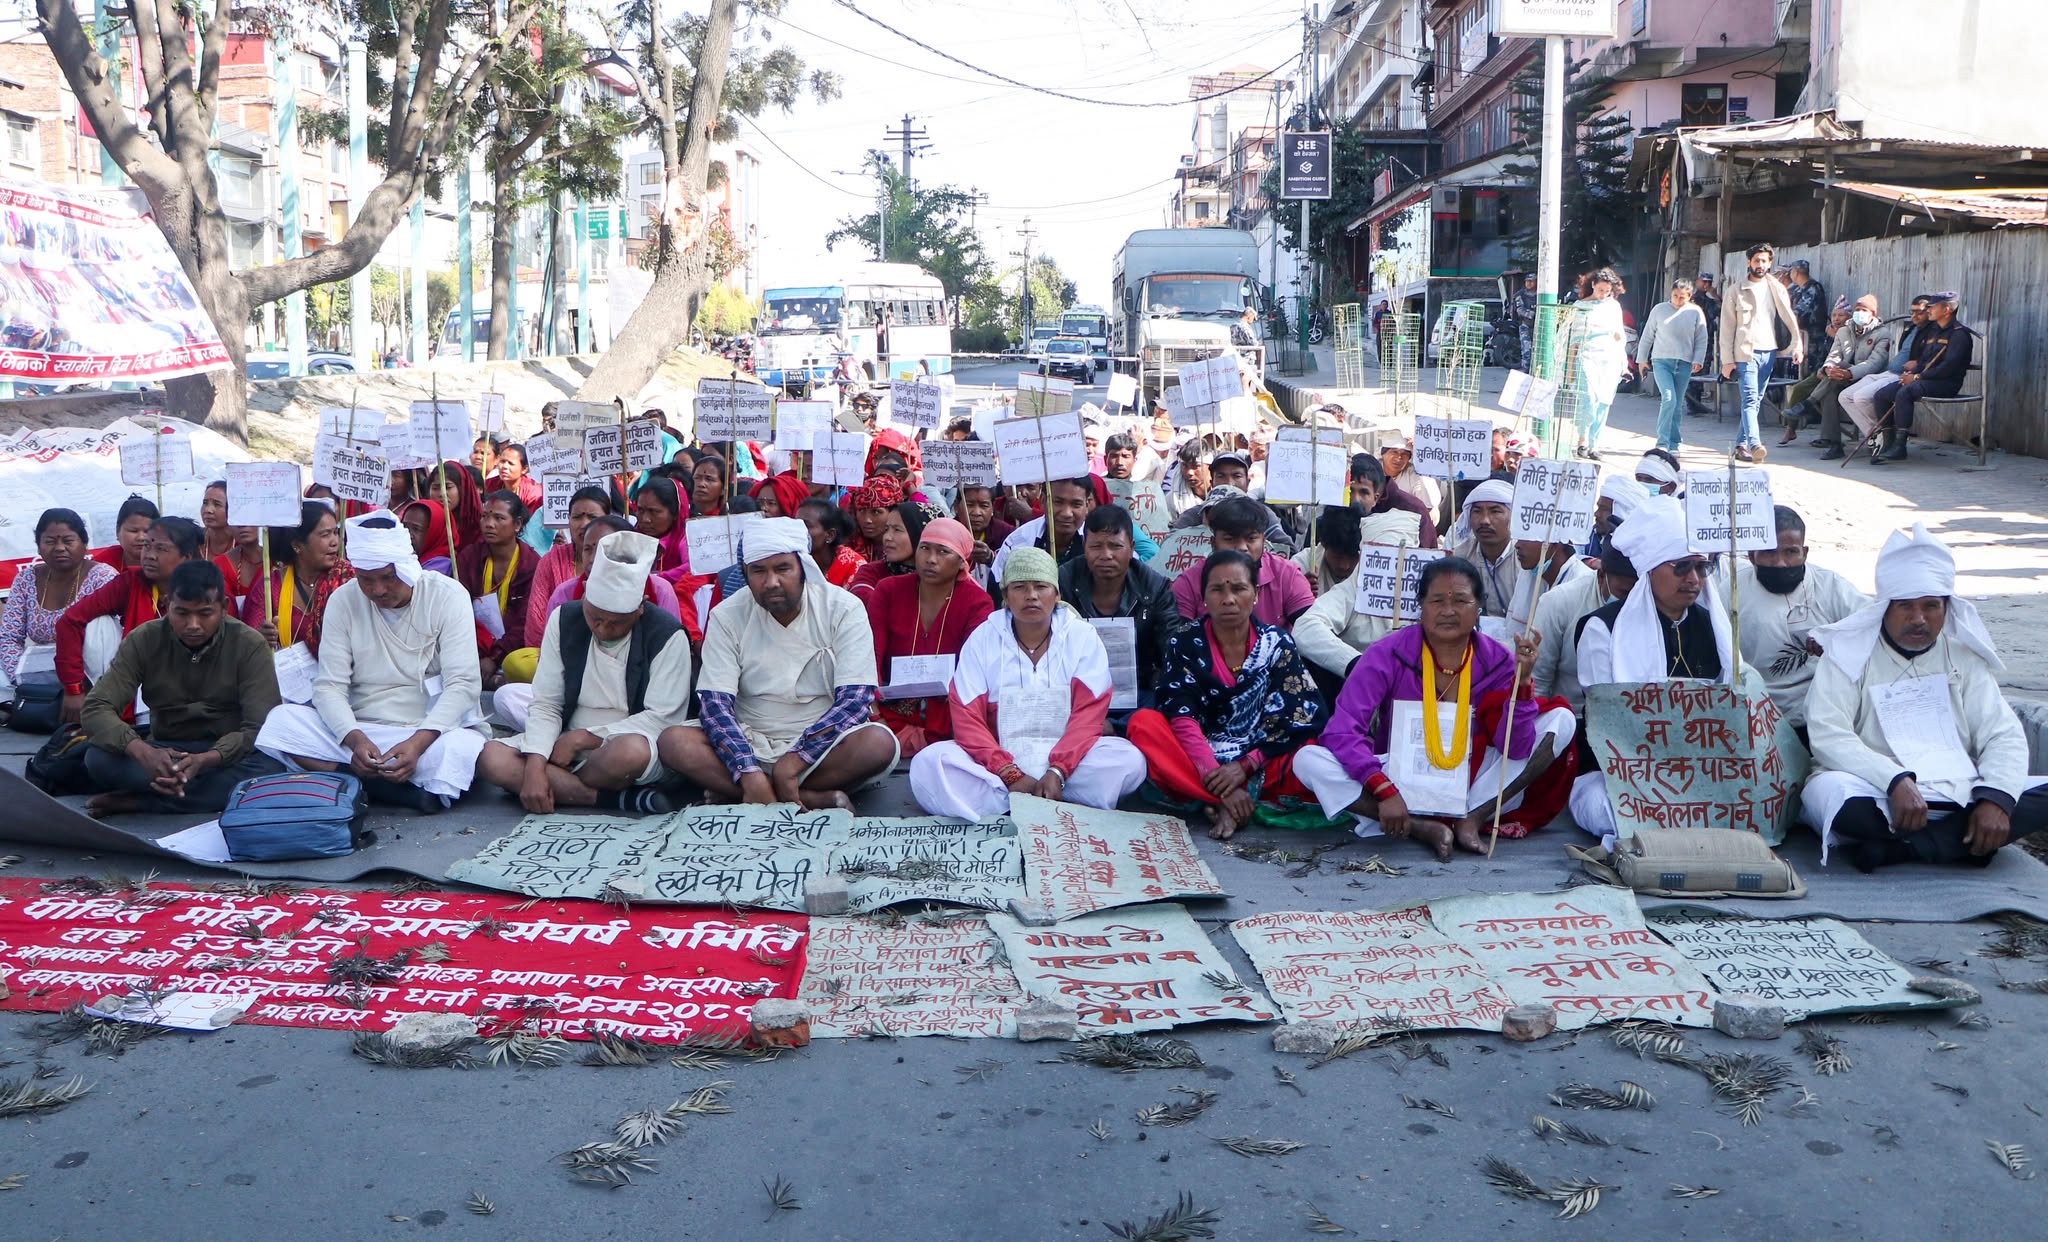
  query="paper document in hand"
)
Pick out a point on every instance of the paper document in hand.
point(1120, 639)
point(1919, 722)
point(1709, 514)
point(487, 613)
point(918, 677)
point(296, 669)
point(1554, 500)
point(1029, 722)
point(1443, 793)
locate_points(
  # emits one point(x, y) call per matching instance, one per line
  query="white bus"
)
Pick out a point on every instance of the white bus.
point(884, 320)
point(1090, 323)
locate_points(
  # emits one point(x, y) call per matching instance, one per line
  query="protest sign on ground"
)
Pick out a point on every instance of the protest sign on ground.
point(263, 493)
point(1078, 858)
point(1142, 969)
point(1554, 500)
point(1709, 513)
point(1810, 966)
point(733, 410)
point(1356, 966)
point(922, 976)
point(1458, 448)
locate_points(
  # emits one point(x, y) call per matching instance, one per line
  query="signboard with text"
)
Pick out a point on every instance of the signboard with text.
point(1305, 165)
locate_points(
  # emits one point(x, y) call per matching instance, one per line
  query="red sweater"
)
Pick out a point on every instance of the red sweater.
point(129, 597)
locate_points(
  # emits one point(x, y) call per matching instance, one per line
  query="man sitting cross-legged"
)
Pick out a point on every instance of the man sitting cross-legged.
point(208, 682)
point(786, 691)
point(614, 673)
point(395, 701)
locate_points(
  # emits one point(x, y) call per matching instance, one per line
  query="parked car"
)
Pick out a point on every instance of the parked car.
point(279, 365)
point(1068, 355)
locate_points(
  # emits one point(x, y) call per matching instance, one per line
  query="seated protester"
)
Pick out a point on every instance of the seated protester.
point(426, 527)
point(613, 676)
point(308, 569)
point(1561, 565)
point(1187, 482)
point(786, 687)
point(209, 684)
point(396, 698)
point(1120, 457)
point(498, 568)
point(975, 508)
point(1068, 502)
point(458, 489)
point(1222, 489)
point(1237, 524)
point(899, 531)
point(1481, 537)
point(1670, 626)
point(1781, 601)
point(1442, 792)
point(1858, 400)
point(63, 574)
point(90, 630)
point(560, 563)
point(867, 504)
point(483, 455)
point(238, 550)
point(1373, 494)
point(1397, 463)
point(1557, 624)
point(131, 530)
point(1107, 581)
point(1657, 471)
point(511, 476)
point(830, 530)
point(1617, 499)
point(1332, 556)
point(928, 612)
point(1235, 703)
point(780, 495)
point(1917, 757)
point(1030, 701)
point(658, 514)
point(707, 487)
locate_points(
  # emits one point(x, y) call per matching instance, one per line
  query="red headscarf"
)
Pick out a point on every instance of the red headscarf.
point(436, 542)
point(881, 492)
point(890, 440)
point(469, 508)
point(789, 490)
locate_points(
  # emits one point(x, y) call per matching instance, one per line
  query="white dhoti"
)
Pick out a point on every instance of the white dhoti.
point(653, 773)
point(1336, 792)
point(445, 769)
point(945, 780)
point(510, 704)
point(1591, 809)
point(1859, 400)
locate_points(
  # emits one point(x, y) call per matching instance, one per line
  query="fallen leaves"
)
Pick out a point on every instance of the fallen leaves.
point(1178, 1114)
point(1128, 1054)
point(2012, 1156)
point(478, 1205)
point(1828, 1053)
point(1247, 1145)
point(1179, 1223)
point(1429, 1105)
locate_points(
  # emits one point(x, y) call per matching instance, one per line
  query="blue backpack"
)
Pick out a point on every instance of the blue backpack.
point(294, 815)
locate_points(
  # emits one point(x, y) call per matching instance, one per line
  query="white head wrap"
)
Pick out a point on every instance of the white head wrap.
point(618, 571)
point(1654, 467)
point(1913, 566)
point(375, 547)
point(1491, 492)
point(1655, 534)
point(774, 537)
point(1623, 492)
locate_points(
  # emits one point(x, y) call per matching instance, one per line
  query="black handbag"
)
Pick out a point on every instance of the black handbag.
point(59, 767)
point(38, 701)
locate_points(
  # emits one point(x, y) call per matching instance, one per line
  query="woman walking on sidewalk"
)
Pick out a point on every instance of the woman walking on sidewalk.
point(1674, 346)
point(1602, 357)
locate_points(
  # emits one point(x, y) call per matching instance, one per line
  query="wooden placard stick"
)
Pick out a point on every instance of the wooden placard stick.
point(1515, 683)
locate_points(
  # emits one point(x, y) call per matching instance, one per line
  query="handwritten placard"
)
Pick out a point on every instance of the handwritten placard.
point(959, 463)
point(1685, 754)
point(1142, 969)
point(581, 416)
point(558, 491)
point(1035, 450)
point(1528, 396)
point(158, 458)
point(1357, 966)
point(490, 413)
point(1123, 389)
point(1810, 966)
point(734, 410)
point(1179, 412)
point(1210, 380)
point(353, 472)
point(604, 449)
point(1043, 394)
point(643, 444)
point(1554, 500)
point(1388, 578)
point(263, 493)
point(1710, 514)
point(352, 423)
point(715, 541)
point(440, 431)
point(1078, 858)
point(1146, 503)
point(916, 405)
point(1299, 472)
point(920, 976)
point(1459, 448)
point(800, 424)
point(1181, 550)
point(841, 459)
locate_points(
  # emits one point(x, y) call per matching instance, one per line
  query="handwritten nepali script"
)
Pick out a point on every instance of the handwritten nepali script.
point(1709, 512)
point(753, 856)
point(1078, 858)
point(946, 976)
point(1146, 503)
point(1680, 754)
point(1355, 966)
point(1180, 551)
point(1133, 970)
point(562, 968)
point(1388, 578)
point(1810, 966)
point(1586, 952)
point(1554, 500)
point(1453, 447)
point(731, 410)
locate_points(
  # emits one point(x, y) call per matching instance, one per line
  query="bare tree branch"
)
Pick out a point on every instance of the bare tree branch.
point(208, 91)
point(87, 75)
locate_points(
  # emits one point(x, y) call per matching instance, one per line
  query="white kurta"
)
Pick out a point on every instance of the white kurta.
point(782, 677)
point(1557, 655)
point(1333, 633)
point(1775, 628)
point(1573, 570)
point(602, 704)
point(1336, 791)
point(1501, 576)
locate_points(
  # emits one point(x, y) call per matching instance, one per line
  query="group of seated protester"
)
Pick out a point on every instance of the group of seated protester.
point(1250, 687)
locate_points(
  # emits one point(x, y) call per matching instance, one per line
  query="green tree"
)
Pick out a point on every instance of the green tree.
point(1354, 163)
point(927, 226)
point(726, 311)
point(1597, 210)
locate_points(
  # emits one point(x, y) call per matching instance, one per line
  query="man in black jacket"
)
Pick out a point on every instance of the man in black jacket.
point(1104, 584)
point(1940, 361)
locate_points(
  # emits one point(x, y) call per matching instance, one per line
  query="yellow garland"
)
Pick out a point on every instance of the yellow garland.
point(287, 595)
point(1432, 728)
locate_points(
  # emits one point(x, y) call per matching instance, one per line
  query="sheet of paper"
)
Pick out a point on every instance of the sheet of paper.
point(1291, 481)
point(922, 976)
point(1463, 446)
point(800, 424)
point(1528, 396)
point(915, 405)
point(1810, 966)
point(1029, 722)
point(734, 410)
point(540, 453)
point(1358, 966)
point(148, 460)
point(440, 430)
point(959, 463)
point(1142, 969)
point(714, 542)
point(354, 472)
point(1919, 721)
point(918, 677)
point(296, 669)
point(1387, 579)
point(1179, 412)
point(841, 459)
point(35, 658)
point(1078, 858)
point(490, 413)
point(1440, 793)
point(1708, 512)
point(643, 444)
point(263, 493)
point(1194, 383)
point(1554, 500)
point(200, 843)
point(487, 613)
point(604, 451)
point(179, 1011)
point(1120, 639)
point(1123, 389)
point(578, 417)
point(1033, 450)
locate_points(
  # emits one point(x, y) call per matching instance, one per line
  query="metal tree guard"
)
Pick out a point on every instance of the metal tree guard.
point(1401, 359)
point(1348, 326)
point(1560, 330)
point(1460, 351)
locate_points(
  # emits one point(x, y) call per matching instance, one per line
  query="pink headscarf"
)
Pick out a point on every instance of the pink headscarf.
point(949, 533)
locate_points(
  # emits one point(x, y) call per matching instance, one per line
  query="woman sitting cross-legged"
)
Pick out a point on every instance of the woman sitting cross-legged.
point(1235, 704)
point(1029, 704)
point(1401, 752)
point(309, 570)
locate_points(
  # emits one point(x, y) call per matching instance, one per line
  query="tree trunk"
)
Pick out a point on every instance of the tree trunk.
point(662, 321)
point(504, 220)
point(198, 237)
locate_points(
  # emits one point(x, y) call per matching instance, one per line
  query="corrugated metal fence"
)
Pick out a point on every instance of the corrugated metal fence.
point(2002, 277)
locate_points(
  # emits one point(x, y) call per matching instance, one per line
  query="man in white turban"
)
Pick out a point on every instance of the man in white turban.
point(1481, 536)
point(614, 674)
point(1670, 625)
point(786, 695)
point(395, 700)
point(1917, 757)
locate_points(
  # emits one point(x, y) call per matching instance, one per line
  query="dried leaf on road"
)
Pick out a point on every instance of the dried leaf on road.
point(1178, 1223)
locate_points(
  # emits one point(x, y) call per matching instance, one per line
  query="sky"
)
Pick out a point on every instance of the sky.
point(1085, 174)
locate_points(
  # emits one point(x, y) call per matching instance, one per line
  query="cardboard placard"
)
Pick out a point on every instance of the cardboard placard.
point(714, 542)
point(916, 405)
point(1181, 550)
point(150, 460)
point(439, 431)
point(1078, 858)
point(1035, 450)
point(1554, 500)
point(840, 459)
point(1708, 513)
point(557, 491)
point(1380, 594)
point(1146, 503)
point(643, 444)
point(799, 424)
point(731, 411)
point(263, 493)
point(1042, 394)
point(959, 463)
point(354, 472)
point(1463, 447)
point(1141, 969)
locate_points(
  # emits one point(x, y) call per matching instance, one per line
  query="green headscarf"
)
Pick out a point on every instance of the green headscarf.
point(1030, 564)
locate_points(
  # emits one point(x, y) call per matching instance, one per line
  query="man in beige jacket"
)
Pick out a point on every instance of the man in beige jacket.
point(1750, 320)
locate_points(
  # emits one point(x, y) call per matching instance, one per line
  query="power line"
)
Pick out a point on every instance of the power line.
point(799, 163)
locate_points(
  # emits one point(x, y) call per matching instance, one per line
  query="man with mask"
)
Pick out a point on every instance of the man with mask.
point(1556, 565)
point(1657, 471)
point(1482, 538)
point(1781, 600)
point(1859, 399)
point(395, 701)
point(1860, 349)
point(1917, 757)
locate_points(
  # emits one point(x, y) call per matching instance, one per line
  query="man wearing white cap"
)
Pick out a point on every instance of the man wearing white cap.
point(614, 673)
point(786, 695)
point(1670, 626)
point(1917, 756)
point(1481, 537)
point(395, 701)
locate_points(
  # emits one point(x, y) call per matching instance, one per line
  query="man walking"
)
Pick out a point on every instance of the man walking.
point(1750, 331)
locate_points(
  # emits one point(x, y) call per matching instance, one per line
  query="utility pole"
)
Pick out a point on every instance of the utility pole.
point(1024, 297)
point(912, 140)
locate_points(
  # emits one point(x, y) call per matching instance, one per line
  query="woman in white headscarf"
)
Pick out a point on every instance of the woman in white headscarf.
point(1917, 756)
